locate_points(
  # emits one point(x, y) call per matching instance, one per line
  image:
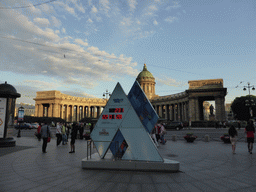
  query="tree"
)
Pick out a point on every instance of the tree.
point(239, 108)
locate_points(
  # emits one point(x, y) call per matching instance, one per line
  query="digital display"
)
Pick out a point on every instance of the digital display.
point(119, 116)
point(116, 110)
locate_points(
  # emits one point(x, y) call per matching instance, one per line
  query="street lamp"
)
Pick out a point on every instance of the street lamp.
point(249, 102)
point(106, 94)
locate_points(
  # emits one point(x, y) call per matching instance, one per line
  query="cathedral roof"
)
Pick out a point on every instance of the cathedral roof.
point(145, 73)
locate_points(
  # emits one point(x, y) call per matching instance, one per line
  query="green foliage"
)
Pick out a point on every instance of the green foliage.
point(240, 110)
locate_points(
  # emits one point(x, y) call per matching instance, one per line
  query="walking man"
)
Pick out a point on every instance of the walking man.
point(45, 133)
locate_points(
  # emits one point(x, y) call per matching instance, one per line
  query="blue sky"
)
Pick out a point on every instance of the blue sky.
point(105, 42)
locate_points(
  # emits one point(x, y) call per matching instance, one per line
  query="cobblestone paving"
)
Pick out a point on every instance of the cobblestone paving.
point(204, 166)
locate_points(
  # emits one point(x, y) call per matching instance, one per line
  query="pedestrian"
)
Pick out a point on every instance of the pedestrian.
point(239, 125)
point(64, 137)
point(68, 130)
point(162, 133)
point(58, 133)
point(233, 134)
point(73, 137)
point(39, 132)
point(153, 136)
point(250, 130)
point(158, 131)
point(45, 133)
point(81, 130)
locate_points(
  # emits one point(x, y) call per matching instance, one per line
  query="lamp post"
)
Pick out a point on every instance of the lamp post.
point(249, 102)
point(106, 94)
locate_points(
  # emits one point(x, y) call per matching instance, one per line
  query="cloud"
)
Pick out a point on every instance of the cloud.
point(89, 21)
point(42, 21)
point(41, 85)
point(175, 5)
point(34, 9)
point(171, 19)
point(132, 4)
point(126, 21)
point(69, 9)
point(81, 42)
point(164, 80)
point(104, 5)
point(150, 10)
point(63, 30)
point(94, 9)
point(56, 22)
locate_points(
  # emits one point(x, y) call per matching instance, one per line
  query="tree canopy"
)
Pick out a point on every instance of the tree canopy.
point(240, 110)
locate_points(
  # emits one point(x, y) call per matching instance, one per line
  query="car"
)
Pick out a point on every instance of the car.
point(34, 125)
point(24, 126)
point(178, 125)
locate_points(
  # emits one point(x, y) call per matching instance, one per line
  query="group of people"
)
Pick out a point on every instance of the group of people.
point(249, 130)
point(158, 133)
point(62, 134)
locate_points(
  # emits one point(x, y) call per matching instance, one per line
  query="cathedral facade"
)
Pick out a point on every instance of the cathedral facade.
point(184, 106)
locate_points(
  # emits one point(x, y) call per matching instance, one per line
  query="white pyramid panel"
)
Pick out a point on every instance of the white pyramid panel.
point(140, 145)
point(106, 127)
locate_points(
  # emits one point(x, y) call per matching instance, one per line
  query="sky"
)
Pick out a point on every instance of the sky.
point(84, 47)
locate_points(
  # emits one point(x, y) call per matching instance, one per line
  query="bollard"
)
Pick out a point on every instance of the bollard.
point(174, 137)
point(206, 138)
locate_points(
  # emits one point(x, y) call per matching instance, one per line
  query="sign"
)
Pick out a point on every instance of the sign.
point(127, 137)
point(206, 84)
point(21, 114)
point(3, 102)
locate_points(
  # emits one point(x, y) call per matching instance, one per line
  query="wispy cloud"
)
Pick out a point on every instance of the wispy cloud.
point(132, 4)
point(164, 80)
point(171, 19)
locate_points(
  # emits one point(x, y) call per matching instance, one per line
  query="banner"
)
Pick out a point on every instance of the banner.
point(3, 102)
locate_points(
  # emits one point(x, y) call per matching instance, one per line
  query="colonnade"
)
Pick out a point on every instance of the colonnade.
point(173, 112)
point(67, 112)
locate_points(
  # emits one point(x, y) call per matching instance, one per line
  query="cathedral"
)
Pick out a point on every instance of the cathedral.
point(184, 106)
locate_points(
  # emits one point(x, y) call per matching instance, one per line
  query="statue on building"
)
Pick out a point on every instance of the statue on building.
point(211, 110)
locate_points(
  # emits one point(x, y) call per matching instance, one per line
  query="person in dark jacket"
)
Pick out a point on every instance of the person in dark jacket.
point(45, 133)
point(73, 137)
point(233, 134)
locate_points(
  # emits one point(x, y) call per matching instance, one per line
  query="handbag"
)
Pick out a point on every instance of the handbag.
point(48, 139)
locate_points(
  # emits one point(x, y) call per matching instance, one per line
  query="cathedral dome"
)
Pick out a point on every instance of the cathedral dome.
point(145, 73)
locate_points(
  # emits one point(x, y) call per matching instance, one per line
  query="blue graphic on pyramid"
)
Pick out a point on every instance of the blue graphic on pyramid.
point(126, 126)
point(143, 107)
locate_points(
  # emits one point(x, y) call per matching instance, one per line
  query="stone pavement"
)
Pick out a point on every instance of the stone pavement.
point(204, 166)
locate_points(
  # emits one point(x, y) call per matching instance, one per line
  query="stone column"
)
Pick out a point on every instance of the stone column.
point(193, 109)
point(171, 112)
point(77, 113)
point(179, 112)
point(167, 112)
point(220, 108)
point(61, 112)
point(50, 110)
point(55, 109)
point(36, 110)
point(67, 113)
point(160, 111)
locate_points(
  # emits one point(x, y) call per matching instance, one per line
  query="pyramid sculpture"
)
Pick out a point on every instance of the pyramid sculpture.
point(120, 129)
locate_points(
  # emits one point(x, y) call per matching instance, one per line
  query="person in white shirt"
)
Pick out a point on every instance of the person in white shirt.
point(58, 133)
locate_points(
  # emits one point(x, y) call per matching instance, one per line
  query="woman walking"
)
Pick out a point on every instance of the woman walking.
point(250, 130)
point(233, 134)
